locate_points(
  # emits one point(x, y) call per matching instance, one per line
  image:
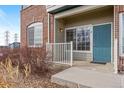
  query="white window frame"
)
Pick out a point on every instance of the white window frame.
point(91, 39)
point(33, 25)
point(77, 27)
point(121, 31)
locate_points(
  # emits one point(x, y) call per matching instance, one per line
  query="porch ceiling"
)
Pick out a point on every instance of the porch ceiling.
point(95, 12)
point(81, 11)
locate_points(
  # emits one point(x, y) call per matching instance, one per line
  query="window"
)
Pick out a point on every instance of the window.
point(31, 36)
point(83, 39)
point(71, 36)
point(80, 37)
point(121, 44)
point(35, 35)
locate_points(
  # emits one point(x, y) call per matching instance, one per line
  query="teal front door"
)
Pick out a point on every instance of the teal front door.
point(102, 43)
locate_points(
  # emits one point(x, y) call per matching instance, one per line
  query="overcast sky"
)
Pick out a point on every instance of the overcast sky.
point(9, 21)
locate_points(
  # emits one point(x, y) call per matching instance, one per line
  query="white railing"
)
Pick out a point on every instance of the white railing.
point(60, 52)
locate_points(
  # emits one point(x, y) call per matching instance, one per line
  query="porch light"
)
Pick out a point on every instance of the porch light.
point(61, 29)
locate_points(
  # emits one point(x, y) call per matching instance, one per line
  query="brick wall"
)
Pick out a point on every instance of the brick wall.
point(51, 20)
point(30, 15)
point(118, 9)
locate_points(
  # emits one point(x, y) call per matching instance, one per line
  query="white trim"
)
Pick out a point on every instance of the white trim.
point(60, 43)
point(78, 10)
point(54, 29)
point(115, 49)
point(121, 29)
point(48, 28)
point(35, 24)
point(76, 27)
point(81, 51)
point(53, 7)
point(112, 42)
point(102, 23)
point(91, 35)
point(111, 37)
point(71, 53)
point(92, 44)
point(115, 55)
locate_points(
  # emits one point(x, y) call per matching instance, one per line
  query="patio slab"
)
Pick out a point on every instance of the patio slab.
point(78, 77)
point(106, 68)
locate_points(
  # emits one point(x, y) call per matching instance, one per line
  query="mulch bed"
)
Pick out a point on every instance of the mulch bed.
point(37, 82)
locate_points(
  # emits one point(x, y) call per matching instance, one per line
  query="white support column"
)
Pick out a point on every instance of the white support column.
point(115, 56)
point(71, 53)
point(115, 47)
point(54, 30)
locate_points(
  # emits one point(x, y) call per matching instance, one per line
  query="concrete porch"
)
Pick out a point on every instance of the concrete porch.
point(80, 77)
point(106, 68)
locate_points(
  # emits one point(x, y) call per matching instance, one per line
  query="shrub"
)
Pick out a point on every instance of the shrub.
point(16, 64)
point(38, 60)
point(29, 60)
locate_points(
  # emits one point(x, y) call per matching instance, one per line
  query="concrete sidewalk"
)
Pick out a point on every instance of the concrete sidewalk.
point(77, 77)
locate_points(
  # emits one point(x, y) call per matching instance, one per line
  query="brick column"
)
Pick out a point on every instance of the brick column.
point(117, 10)
point(51, 28)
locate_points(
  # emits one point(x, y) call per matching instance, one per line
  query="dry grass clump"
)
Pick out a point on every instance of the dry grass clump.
point(10, 74)
point(18, 64)
point(27, 70)
point(4, 83)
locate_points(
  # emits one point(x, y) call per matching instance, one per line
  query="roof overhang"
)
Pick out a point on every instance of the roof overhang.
point(53, 9)
point(78, 10)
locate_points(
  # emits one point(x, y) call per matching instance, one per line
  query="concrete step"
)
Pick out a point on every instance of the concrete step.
point(76, 77)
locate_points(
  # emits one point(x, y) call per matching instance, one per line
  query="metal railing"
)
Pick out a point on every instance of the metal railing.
point(60, 52)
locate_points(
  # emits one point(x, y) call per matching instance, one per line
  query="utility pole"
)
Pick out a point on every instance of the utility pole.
point(6, 38)
point(15, 37)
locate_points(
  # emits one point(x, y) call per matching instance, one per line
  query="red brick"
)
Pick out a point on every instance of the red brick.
point(30, 15)
point(117, 10)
